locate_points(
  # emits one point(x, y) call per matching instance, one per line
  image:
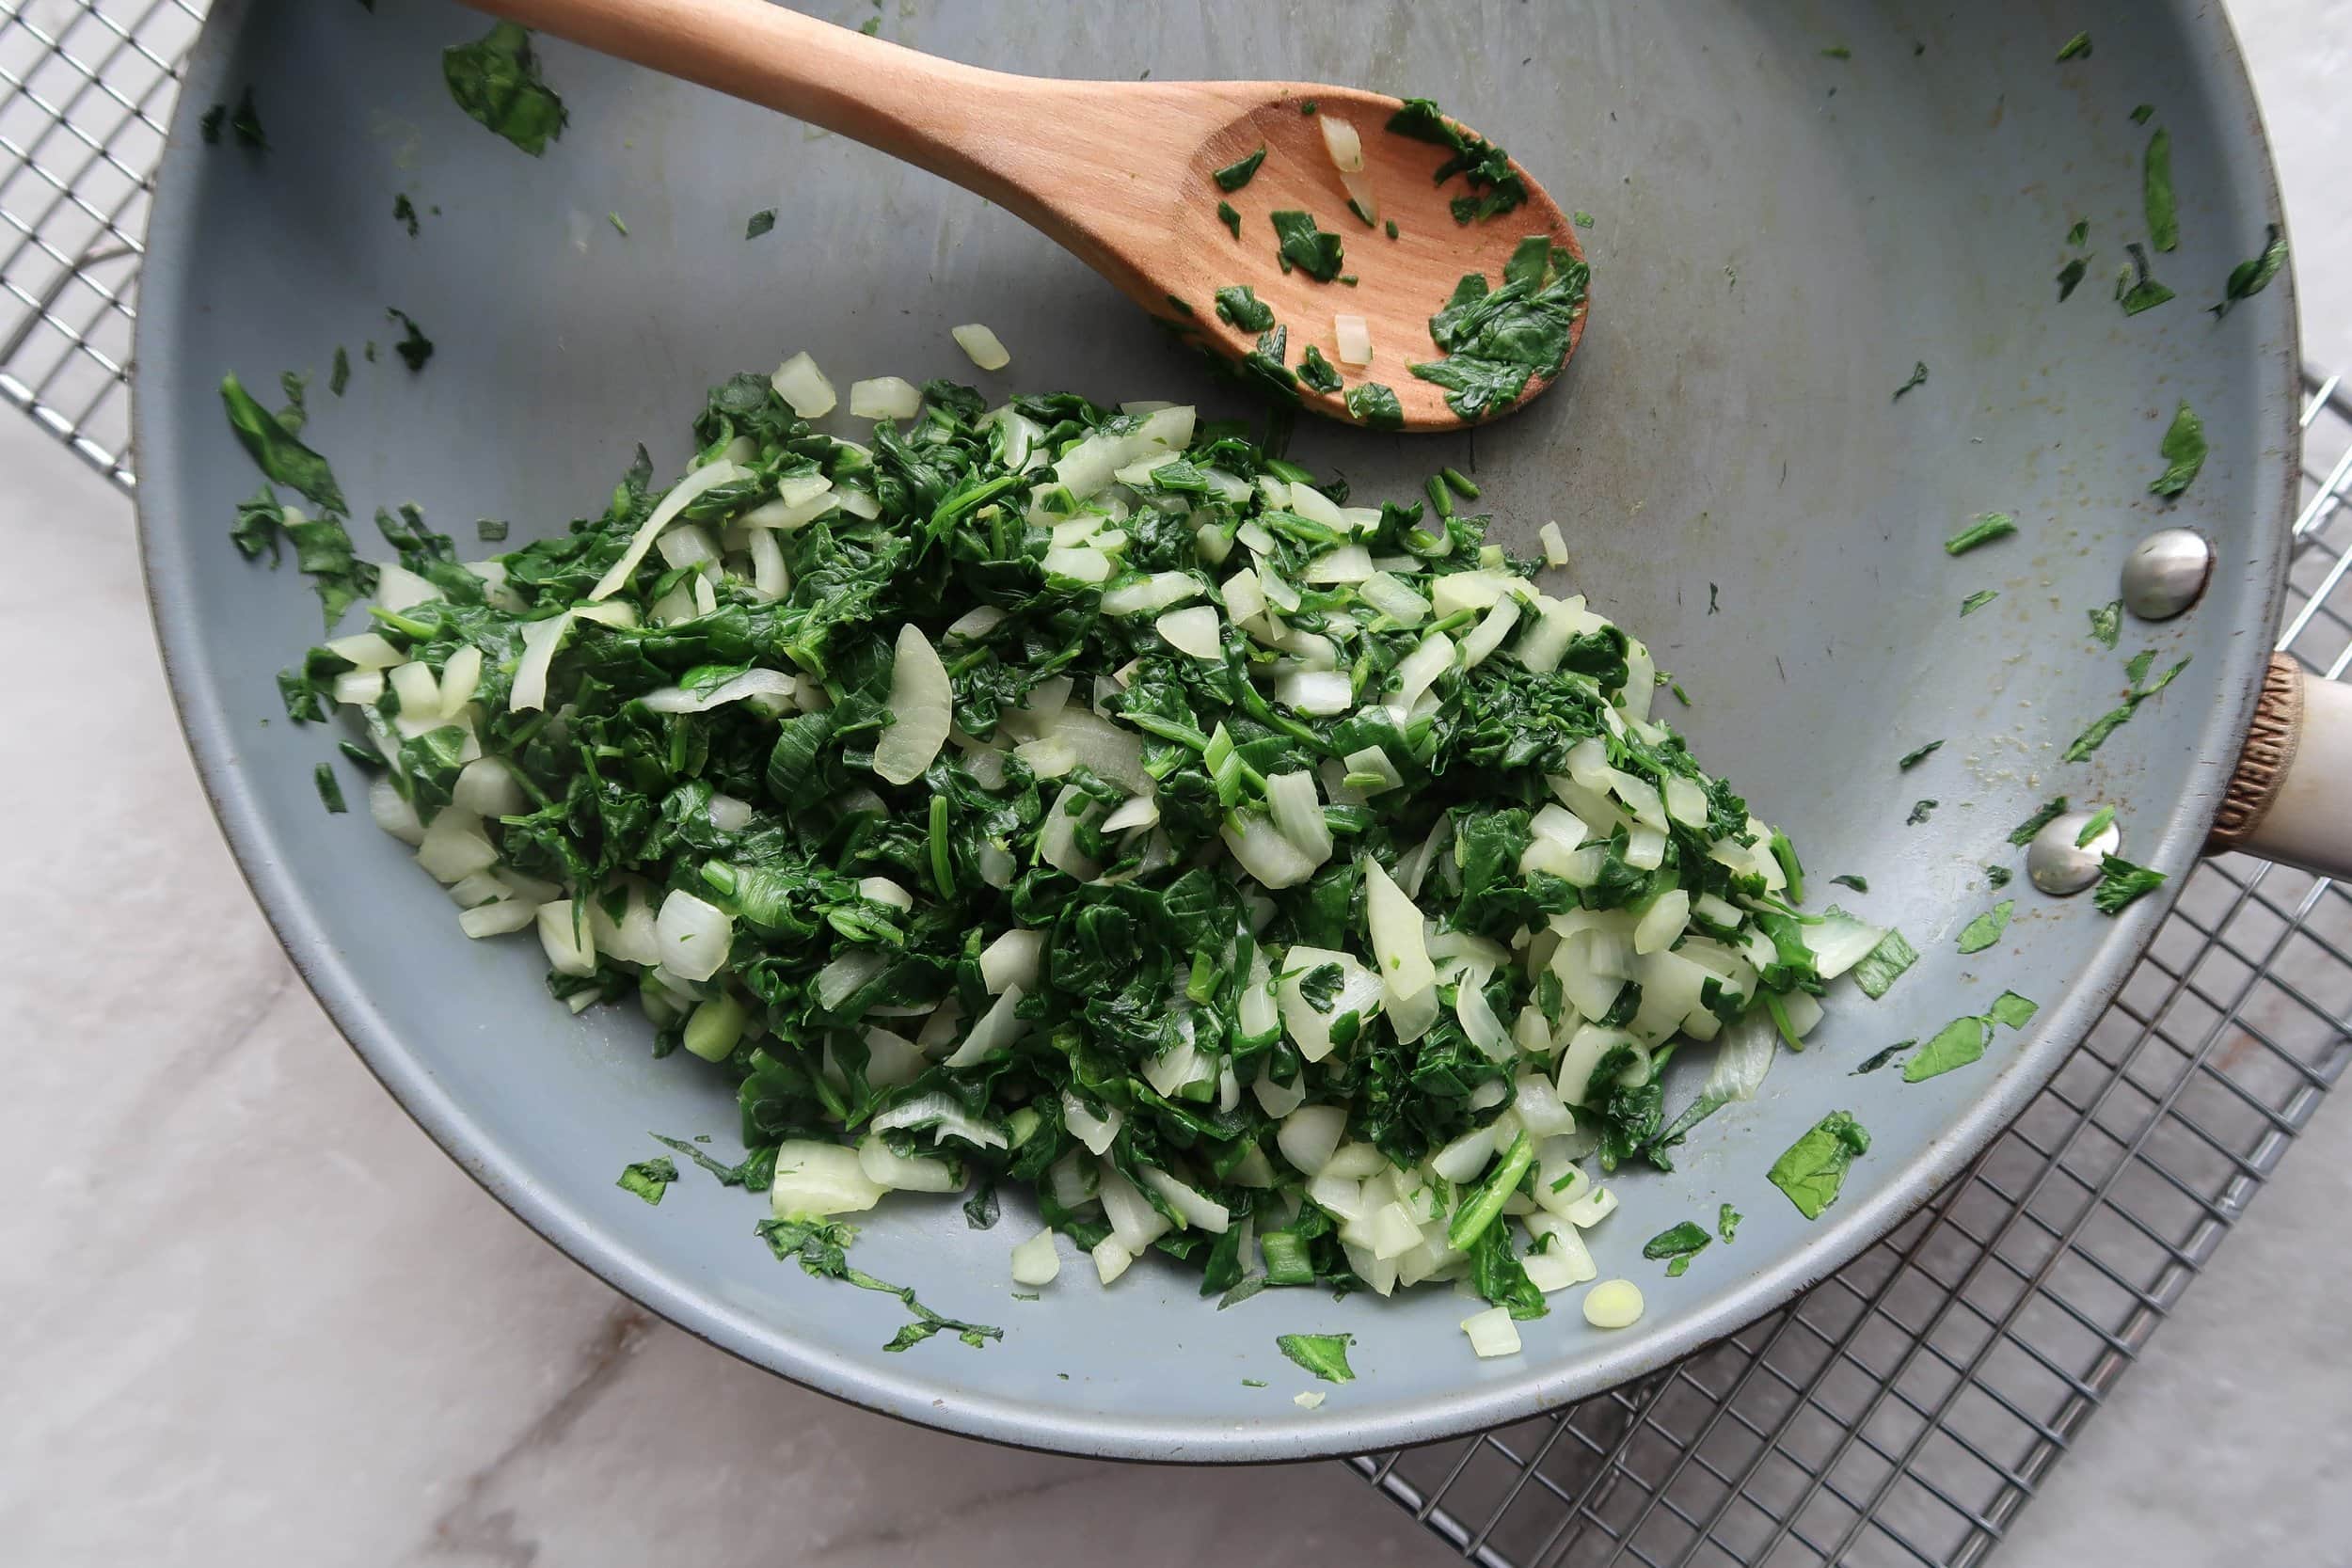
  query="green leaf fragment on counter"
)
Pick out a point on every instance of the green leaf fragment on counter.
point(1726, 1222)
point(2183, 451)
point(1880, 968)
point(1814, 1168)
point(1837, 52)
point(1581, 218)
point(1983, 932)
point(1238, 306)
point(496, 81)
point(2120, 883)
point(2100, 821)
point(1316, 252)
point(1234, 176)
point(2141, 113)
point(1317, 372)
point(2069, 276)
point(490, 530)
point(2136, 668)
point(1495, 340)
point(1977, 601)
point(1956, 1044)
point(1677, 1241)
point(1496, 188)
point(1882, 1058)
point(618, 227)
point(1918, 378)
point(1681, 1266)
point(2164, 214)
point(2248, 279)
point(274, 449)
point(1996, 877)
point(1987, 528)
point(1375, 405)
point(1847, 878)
point(330, 789)
point(405, 213)
point(2108, 722)
point(414, 347)
point(2079, 235)
point(648, 1178)
point(209, 126)
point(2050, 811)
point(2076, 48)
point(2142, 293)
point(761, 222)
point(2012, 1011)
point(1324, 1355)
point(1919, 810)
point(1912, 759)
point(2107, 623)
point(1229, 217)
point(246, 124)
point(821, 1248)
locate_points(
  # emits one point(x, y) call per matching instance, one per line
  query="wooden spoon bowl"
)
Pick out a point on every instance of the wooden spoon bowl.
point(1122, 174)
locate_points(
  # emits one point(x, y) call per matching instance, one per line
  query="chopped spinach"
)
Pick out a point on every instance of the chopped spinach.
point(1956, 1044)
point(490, 530)
point(1495, 340)
point(2049, 811)
point(1324, 1355)
point(1983, 932)
point(1682, 1241)
point(1918, 378)
point(2076, 48)
point(1880, 968)
point(1814, 1168)
point(1726, 1222)
point(1860, 885)
point(2012, 1011)
point(330, 789)
point(2095, 734)
point(2182, 450)
point(2120, 883)
point(405, 213)
point(1881, 1058)
point(274, 449)
point(1910, 760)
point(1978, 600)
point(1317, 372)
point(2164, 215)
point(2248, 279)
point(2079, 235)
point(1581, 218)
point(1919, 810)
point(1991, 526)
point(2107, 623)
point(761, 222)
point(1229, 217)
point(2142, 112)
point(2138, 292)
point(821, 1248)
point(209, 125)
point(1837, 52)
point(340, 376)
point(1234, 176)
point(2069, 276)
point(414, 347)
point(246, 124)
point(1238, 306)
point(1299, 244)
point(1375, 405)
point(1996, 877)
point(496, 81)
point(2100, 821)
point(1496, 188)
point(648, 1178)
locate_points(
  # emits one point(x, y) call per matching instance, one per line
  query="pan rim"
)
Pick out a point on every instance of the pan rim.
point(206, 728)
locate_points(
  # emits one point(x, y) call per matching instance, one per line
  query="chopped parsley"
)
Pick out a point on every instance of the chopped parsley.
point(648, 1178)
point(2107, 623)
point(1918, 378)
point(1987, 528)
point(1977, 601)
point(414, 347)
point(1495, 340)
point(2100, 821)
point(2184, 453)
point(1228, 214)
point(1880, 968)
point(1983, 932)
point(1324, 1355)
point(1919, 810)
point(1317, 372)
point(1495, 186)
point(2049, 811)
point(2248, 279)
point(1727, 1221)
point(2076, 48)
point(2120, 883)
point(1316, 252)
point(2012, 1011)
point(1860, 885)
point(330, 789)
point(1238, 306)
point(2135, 289)
point(1814, 1168)
point(821, 1248)
point(1956, 1044)
point(1374, 405)
point(1910, 760)
point(761, 222)
point(496, 81)
point(405, 213)
point(2164, 215)
point(1234, 176)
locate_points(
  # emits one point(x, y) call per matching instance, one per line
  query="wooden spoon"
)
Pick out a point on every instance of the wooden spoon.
point(1119, 173)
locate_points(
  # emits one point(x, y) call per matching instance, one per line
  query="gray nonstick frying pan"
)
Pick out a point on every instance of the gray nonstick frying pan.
point(1794, 205)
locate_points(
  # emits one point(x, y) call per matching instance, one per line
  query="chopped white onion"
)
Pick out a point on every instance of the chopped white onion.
point(751, 683)
point(682, 495)
point(1316, 692)
point(1262, 850)
point(981, 345)
point(1394, 598)
point(1194, 631)
point(1034, 1262)
point(1341, 140)
point(694, 936)
point(802, 386)
point(1555, 547)
point(1200, 1212)
point(487, 787)
point(564, 932)
point(1398, 940)
point(1492, 1333)
point(814, 1180)
point(1492, 628)
point(903, 1173)
point(497, 919)
point(1663, 922)
point(920, 706)
point(1354, 338)
point(1011, 960)
point(1297, 813)
point(998, 1027)
point(455, 846)
point(1094, 1132)
point(884, 397)
point(1344, 563)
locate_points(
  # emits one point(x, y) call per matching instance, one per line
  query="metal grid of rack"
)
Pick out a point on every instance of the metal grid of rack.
point(1903, 1410)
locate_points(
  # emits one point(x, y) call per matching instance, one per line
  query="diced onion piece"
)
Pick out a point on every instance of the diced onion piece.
point(496, 919)
point(1355, 339)
point(882, 890)
point(751, 683)
point(1136, 811)
point(1057, 839)
point(1094, 1132)
point(1466, 1156)
point(946, 1119)
point(1274, 1099)
point(1261, 850)
point(802, 385)
point(1357, 1160)
point(1477, 1017)
point(1341, 140)
point(1394, 1232)
point(359, 687)
point(682, 495)
point(1421, 668)
point(884, 397)
point(1394, 598)
point(365, 650)
point(1370, 763)
point(1110, 1260)
point(1839, 942)
point(1644, 847)
point(901, 1173)
point(1297, 813)
point(920, 705)
point(1613, 1303)
point(1590, 1209)
point(419, 694)
point(892, 1060)
point(1563, 1262)
point(1194, 631)
point(1360, 993)
point(1011, 960)
point(1315, 693)
point(693, 935)
point(814, 1180)
point(1662, 922)
point(455, 848)
point(1034, 1262)
point(981, 345)
point(1555, 547)
point(1686, 802)
point(487, 787)
point(1454, 591)
point(1078, 562)
point(1243, 597)
point(1316, 507)
point(1135, 1223)
point(397, 588)
point(1151, 593)
point(1200, 1212)
point(1803, 1012)
point(1308, 1136)
point(1346, 564)
point(1089, 466)
point(1538, 1104)
point(564, 932)
point(1343, 1195)
point(1399, 942)
point(1492, 1333)
point(997, 1028)
point(1360, 195)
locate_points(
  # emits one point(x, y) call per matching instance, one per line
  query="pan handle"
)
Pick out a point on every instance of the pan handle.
point(2291, 798)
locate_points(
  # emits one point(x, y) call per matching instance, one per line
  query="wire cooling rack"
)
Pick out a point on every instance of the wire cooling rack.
point(1903, 1410)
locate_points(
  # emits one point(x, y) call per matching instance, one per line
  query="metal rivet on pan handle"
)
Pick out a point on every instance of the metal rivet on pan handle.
point(2167, 573)
point(2057, 864)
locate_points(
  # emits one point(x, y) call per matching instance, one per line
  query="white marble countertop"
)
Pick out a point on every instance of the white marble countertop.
point(253, 1316)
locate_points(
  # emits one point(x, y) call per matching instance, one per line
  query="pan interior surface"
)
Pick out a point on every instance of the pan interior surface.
point(1792, 206)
